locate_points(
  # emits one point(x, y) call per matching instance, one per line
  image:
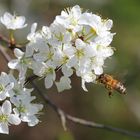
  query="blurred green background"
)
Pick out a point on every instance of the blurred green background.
point(119, 111)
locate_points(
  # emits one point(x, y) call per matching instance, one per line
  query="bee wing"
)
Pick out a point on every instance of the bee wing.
point(120, 76)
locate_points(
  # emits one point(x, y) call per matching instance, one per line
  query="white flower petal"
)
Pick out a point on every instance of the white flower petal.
point(49, 81)
point(98, 70)
point(63, 84)
point(13, 64)
point(108, 24)
point(22, 72)
point(33, 121)
point(34, 108)
point(29, 50)
point(67, 71)
point(83, 86)
point(108, 52)
point(40, 57)
point(4, 78)
point(19, 22)
point(89, 77)
point(76, 11)
point(31, 35)
point(4, 128)
point(14, 119)
point(46, 32)
point(18, 53)
point(2, 96)
point(79, 44)
point(6, 107)
point(33, 27)
point(72, 62)
point(10, 86)
point(25, 118)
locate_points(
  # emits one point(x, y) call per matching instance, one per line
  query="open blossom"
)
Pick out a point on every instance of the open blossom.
point(28, 112)
point(47, 71)
point(76, 41)
point(23, 103)
point(7, 117)
point(12, 21)
point(90, 40)
point(24, 106)
point(21, 63)
point(20, 98)
point(38, 41)
point(70, 17)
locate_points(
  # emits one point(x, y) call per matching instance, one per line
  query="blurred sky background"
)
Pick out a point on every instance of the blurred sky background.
point(119, 111)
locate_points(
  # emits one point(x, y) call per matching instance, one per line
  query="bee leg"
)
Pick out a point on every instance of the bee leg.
point(109, 89)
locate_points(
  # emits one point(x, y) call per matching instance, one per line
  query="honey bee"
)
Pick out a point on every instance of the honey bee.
point(111, 84)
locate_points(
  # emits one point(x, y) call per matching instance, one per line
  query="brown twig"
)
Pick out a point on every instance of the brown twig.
point(30, 78)
point(79, 120)
point(4, 54)
point(64, 116)
point(4, 39)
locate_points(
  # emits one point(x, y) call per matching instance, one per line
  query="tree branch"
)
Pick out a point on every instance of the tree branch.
point(64, 116)
point(4, 54)
point(79, 120)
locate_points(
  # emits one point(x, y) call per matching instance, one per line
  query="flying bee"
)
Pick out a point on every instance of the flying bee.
point(111, 84)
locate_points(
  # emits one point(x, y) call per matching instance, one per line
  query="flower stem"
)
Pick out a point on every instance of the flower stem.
point(12, 39)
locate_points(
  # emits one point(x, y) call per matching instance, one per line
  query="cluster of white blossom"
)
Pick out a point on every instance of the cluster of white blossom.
point(76, 42)
point(17, 103)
